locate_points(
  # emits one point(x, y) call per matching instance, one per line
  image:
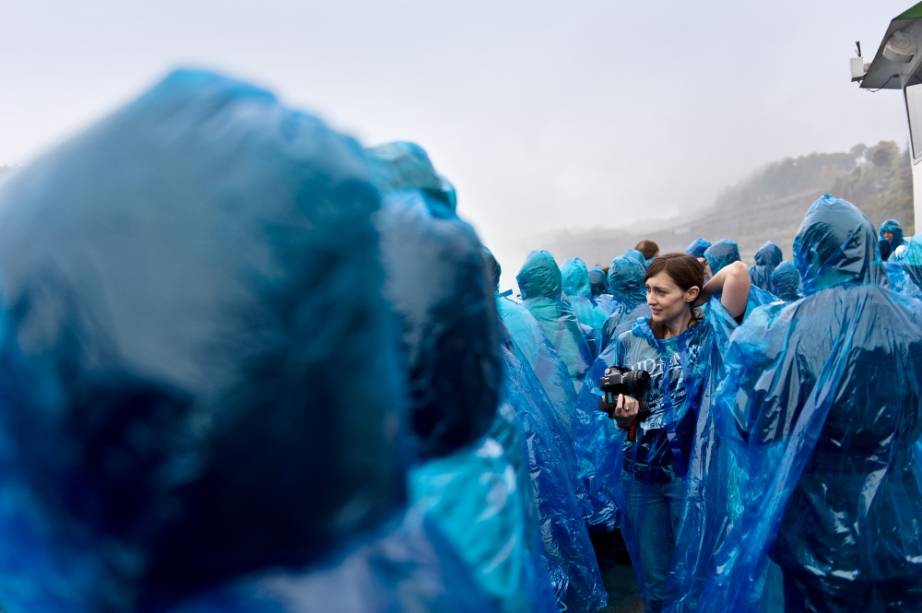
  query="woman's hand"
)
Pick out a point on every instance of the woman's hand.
point(626, 410)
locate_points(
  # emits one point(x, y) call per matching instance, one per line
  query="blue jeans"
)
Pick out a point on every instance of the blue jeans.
point(649, 526)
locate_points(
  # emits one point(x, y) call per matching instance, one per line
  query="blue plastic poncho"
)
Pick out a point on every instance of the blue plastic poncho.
point(598, 281)
point(573, 567)
point(898, 278)
point(721, 253)
point(652, 468)
point(636, 255)
point(560, 371)
point(725, 252)
point(403, 165)
point(190, 290)
point(587, 446)
point(767, 259)
point(786, 282)
point(468, 484)
point(626, 280)
point(697, 247)
point(540, 283)
point(912, 263)
point(896, 231)
point(435, 279)
point(575, 284)
point(819, 420)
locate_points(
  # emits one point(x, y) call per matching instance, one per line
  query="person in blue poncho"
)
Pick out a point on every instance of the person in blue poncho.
point(767, 259)
point(471, 472)
point(786, 282)
point(625, 278)
point(575, 284)
point(598, 281)
point(697, 247)
point(678, 347)
point(898, 278)
point(821, 413)
point(552, 465)
point(540, 282)
point(637, 256)
point(912, 263)
point(725, 252)
point(891, 237)
point(203, 399)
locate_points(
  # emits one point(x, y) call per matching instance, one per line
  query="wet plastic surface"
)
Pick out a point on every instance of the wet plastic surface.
point(437, 284)
point(159, 324)
point(697, 247)
point(767, 259)
point(811, 457)
point(786, 282)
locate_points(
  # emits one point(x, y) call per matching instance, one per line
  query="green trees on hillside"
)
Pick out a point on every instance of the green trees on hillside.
point(877, 179)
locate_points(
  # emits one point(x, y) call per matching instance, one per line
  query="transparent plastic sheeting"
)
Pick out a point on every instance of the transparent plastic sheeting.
point(625, 279)
point(898, 278)
point(786, 282)
point(473, 481)
point(589, 448)
point(473, 496)
point(810, 456)
point(688, 366)
point(697, 247)
point(190, 290)
point(721, 253)
point(912, 264)
point(573, 567)
point(767, 259)
point(436, 282)
point(540, 283)
point(406, 566)
point(575, 283)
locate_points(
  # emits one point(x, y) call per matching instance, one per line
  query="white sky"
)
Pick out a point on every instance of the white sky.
point(546, 115)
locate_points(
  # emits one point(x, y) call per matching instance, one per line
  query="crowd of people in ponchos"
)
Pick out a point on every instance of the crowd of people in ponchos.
point(250, 365)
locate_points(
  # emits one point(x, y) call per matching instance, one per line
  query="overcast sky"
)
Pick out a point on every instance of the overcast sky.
point(546, 115)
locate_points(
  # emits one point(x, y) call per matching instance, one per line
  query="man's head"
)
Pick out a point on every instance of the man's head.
point(648, 248)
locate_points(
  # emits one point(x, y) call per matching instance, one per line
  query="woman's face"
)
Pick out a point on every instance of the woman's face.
point(667, 300)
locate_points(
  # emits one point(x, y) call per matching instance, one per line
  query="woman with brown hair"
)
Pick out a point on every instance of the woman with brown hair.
point(678, 346)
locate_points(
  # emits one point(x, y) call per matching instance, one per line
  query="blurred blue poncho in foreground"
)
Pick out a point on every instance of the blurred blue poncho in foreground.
point(200, 380)
point(818, 419)
point(471, 478)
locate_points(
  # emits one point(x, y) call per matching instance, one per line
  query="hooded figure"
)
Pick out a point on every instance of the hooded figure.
point(560, 497)
point(786, 282)
point(466, 480)
point(540, 283)
point(598, 281)
point(720, 254)
point(575, 283)
point(891, 233)
point(767, 259)
point(652, 458)
point(912, 263)
point(697, 247)
point(637, 256)
point(725, 252)
point(898, 279)
point(820, 414)
point(192, 325)
point(625, 277)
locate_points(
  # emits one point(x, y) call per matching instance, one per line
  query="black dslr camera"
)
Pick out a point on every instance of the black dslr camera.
point(635, 383)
